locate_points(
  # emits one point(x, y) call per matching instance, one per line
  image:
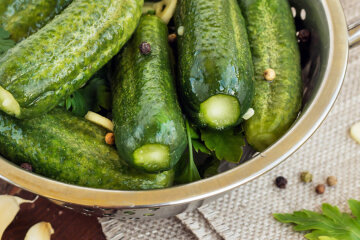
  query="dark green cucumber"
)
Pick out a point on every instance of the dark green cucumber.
point(52, 63)
point(274, 46)
point(215, 65)
point(23, 18)
point(149, 127)
point(70, 149)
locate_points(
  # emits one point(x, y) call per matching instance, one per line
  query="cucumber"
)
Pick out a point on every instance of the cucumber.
point(51, 64)
point(215, 65)
point(23, 18)
point(274, 46)
point(70, 149)
point(149, 126)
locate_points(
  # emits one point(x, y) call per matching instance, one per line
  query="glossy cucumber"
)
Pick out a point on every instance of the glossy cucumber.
point(149, 126)
point(25, 17)
point(51, 64)
point(70, 149)
point(215, 65)
point(274, 46)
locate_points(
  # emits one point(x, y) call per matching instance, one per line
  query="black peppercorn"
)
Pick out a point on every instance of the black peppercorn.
point(145, 48)
point(304, 35)
point(280, 182)
point(26, 166)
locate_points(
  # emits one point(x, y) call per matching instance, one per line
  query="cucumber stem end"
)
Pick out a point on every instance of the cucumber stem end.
point(8, 103)
point(220, 111)
point(152, 157)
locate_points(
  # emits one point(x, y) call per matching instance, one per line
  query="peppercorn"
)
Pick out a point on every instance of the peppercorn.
point(145, 48)
point(172, 37)
point(281, 182)
point(306, 177)
point(110, 138)
point(269, 74)
point(304, 35)
point(26, 166)
point(320, 189)
point(331, 181)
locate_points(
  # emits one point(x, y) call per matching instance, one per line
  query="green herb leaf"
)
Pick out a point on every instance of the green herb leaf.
point(227, 145)
point(199, 146)
point(186, 170)
point(5, 42)
point(330, 225)
point(94, 96)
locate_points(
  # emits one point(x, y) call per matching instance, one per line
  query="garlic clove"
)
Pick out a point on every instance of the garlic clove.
point(9, 207)
point(40, 231)
point(355, 132)
point(100, 120)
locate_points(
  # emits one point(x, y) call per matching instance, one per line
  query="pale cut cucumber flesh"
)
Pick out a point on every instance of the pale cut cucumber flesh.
point(220, 111)
point(8, 103)
point(152, 157)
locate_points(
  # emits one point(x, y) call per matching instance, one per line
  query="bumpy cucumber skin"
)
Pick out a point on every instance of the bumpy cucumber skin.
point(273, 41)
point(145, 107)
point(61, 57)
point(214, 54)
point(23, 18)
point(70, 149)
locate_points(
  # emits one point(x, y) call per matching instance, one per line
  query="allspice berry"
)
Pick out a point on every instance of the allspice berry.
point(306, 177)
point(331, 181)
point(320, 189)
point(110, 138)
point(269, 74)
point(172, 37)
point(26, 166)
point(145, 48)
point(281, 182)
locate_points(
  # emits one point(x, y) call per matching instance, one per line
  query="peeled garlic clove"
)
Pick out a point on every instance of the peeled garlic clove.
point(355, 132)
point(100, 120)
point(9, 207)
point(249, 113)
point(40, 231)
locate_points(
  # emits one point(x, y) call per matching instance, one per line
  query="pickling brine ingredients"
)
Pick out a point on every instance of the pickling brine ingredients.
point(23, 18)
point(149, 126)
point(9, 207)
point(215, 65)
point(47, 67)
point(40, 231)
point(276, 57)
point(71, 149)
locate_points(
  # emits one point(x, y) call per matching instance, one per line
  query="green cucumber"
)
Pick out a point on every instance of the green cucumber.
point(52, 63)
point(272, 35)
point(149, 126)
point(70, 149)
point(215, 65)
point(23, 18)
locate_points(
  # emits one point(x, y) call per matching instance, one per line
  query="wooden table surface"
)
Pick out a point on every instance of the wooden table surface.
point(68, 225)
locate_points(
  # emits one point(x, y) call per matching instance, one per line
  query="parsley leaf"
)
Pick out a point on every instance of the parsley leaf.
point(331, 224)
point(5, 42)
point(227, 144)
point(186, 170)
point(94, 96)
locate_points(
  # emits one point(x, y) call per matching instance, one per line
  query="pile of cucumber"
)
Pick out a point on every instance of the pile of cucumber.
point(214, 77)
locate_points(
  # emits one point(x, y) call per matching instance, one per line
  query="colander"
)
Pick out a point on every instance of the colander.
point(323, 74)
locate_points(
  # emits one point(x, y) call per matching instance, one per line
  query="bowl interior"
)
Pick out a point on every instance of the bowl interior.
point(324, 60)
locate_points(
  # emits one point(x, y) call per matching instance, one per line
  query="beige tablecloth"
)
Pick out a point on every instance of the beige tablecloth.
point(245, 213)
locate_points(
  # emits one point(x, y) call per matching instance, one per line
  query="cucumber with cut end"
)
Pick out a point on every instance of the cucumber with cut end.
point(215, 65)
point(149, 126)
point(67, 148)
point(220, 110)
point(274, 47)
point(25, 17)
point(61, 57)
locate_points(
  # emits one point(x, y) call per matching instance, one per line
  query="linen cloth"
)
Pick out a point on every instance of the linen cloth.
point(246, 212)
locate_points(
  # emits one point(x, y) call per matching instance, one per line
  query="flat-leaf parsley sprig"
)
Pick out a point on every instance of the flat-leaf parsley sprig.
point(331, 224)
